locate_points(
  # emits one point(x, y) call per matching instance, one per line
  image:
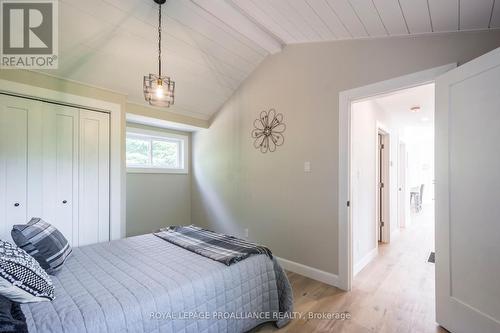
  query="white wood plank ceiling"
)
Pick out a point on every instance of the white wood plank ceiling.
point(113, 44)
point(211, 46)
point(300, 21)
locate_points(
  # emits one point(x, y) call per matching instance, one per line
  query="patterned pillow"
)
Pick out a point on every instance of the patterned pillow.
point(44, 242)
point(21, 277)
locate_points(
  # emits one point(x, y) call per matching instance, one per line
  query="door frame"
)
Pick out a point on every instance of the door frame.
point(117, 174)
point(345, 251)
point(383, 210)
point(402, 190)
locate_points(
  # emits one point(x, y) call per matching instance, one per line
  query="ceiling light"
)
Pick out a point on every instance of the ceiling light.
point(159, 89)
point(415, 109)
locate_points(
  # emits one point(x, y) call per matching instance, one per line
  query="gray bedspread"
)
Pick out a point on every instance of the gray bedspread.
point(145, 284)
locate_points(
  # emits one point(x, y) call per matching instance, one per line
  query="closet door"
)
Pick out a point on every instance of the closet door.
point(13, 162)
point(59, 199)
point(93, 222)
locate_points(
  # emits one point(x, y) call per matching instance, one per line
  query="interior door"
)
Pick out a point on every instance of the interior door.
point(13, 162)
point(467, 196)
point(380, 184)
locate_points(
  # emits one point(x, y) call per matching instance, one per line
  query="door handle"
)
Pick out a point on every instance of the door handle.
point(64, 201)
point(16, 204)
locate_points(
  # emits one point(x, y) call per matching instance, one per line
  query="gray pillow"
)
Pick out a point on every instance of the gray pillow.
point(21, 277)
point(44, 242)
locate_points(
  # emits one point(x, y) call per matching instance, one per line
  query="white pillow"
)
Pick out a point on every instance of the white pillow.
point(22, 279)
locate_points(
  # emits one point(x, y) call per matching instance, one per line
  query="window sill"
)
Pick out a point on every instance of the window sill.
point(157, 170)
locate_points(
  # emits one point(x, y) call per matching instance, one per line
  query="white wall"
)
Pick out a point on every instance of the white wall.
point(157, 200)
point(366, 118)
point(363, 179)
point(293, 212)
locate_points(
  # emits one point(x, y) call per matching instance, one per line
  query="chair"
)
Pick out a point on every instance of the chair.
point(420, 198)
point(416, 195)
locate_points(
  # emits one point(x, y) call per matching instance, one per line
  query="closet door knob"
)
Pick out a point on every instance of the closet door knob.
point(65, 201)
point(16, 204)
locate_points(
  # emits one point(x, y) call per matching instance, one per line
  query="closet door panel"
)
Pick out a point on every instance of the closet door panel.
point(67, 172)
point(60, 169)
point(13, 162)
point(94, 177)
point(35, 161)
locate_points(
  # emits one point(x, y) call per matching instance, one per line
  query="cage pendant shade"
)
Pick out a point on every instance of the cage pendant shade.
point(159, 89)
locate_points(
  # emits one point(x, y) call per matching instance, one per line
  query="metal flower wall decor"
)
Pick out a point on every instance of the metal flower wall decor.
point(268, 131)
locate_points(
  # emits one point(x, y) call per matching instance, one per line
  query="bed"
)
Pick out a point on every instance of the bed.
point(146, 284)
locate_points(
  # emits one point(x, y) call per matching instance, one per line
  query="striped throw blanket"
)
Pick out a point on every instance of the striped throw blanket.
point(222, 248)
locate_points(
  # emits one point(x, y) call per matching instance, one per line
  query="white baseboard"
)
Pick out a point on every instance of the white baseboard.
point(310, 272)
point(364, 261)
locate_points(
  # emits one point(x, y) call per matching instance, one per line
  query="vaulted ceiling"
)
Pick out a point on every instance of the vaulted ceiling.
point(211, 46)
point(113, 44)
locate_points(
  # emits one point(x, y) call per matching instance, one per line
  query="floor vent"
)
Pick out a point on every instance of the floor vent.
point(432, 257)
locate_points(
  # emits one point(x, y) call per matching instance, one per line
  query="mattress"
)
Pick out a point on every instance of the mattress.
point(146, 284)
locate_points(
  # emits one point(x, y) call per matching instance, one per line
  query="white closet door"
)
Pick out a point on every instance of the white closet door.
point(54, 164)
point(94, 178)
point(13, 162)
point(59, 180)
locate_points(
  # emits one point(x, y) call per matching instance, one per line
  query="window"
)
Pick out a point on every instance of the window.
point(156, 152)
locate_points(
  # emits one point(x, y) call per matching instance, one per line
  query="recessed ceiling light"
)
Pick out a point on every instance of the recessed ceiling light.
point(415, 109)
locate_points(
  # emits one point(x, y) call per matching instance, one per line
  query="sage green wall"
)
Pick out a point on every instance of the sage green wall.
point(158, 199)
point(295, 213)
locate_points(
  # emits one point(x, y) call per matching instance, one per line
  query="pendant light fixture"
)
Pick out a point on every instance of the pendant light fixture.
point(159, 89)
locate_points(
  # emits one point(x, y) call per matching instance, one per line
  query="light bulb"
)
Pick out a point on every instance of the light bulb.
point(159, 91)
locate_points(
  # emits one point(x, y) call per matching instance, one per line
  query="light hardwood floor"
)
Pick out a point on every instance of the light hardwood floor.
point(394, 293)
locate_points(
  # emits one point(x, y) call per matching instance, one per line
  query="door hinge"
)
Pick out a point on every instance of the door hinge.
point(348, 204)
point(382, 223)
point(382, 146)
point(381, 185)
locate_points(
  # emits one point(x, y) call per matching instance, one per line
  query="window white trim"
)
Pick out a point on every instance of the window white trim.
point(155, 170)
point(162, 136)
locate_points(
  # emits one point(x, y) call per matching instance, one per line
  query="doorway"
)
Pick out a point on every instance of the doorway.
point(347, 175)
point(380, 125)
point(466, 100)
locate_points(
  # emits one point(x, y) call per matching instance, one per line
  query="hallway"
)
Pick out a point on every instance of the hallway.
point(394, 293)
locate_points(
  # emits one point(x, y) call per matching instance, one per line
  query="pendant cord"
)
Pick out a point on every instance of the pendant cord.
point(159, 40)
